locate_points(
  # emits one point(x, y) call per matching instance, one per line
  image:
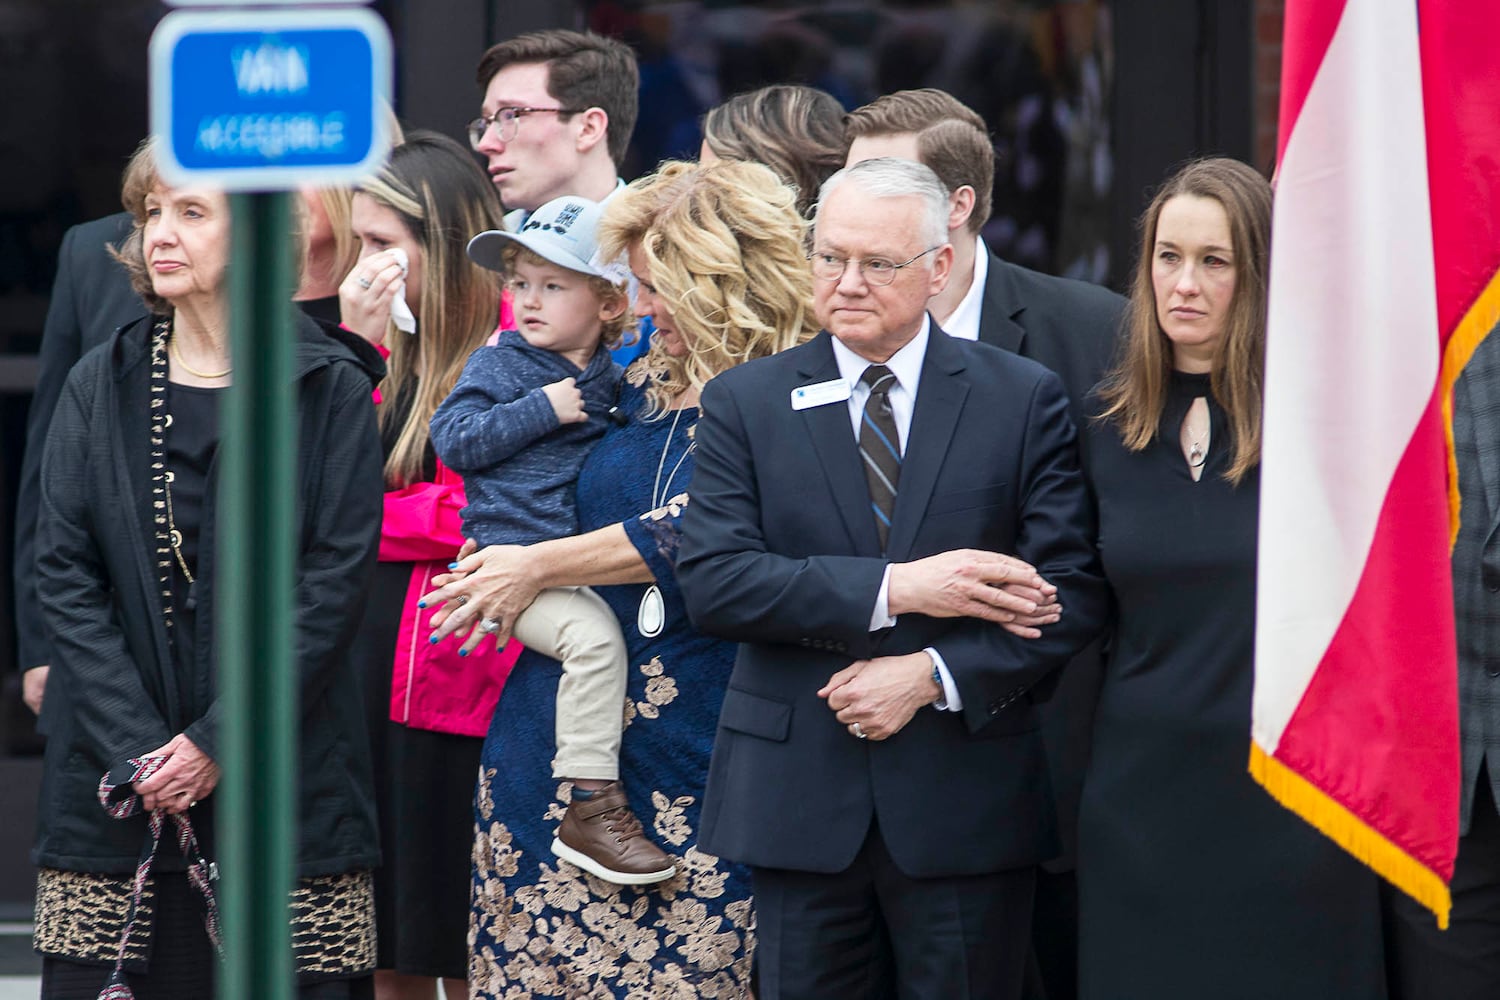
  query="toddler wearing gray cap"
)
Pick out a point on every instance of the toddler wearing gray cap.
point(518, 426)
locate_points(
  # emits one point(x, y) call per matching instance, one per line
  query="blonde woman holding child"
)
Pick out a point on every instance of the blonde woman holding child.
point(717, 251)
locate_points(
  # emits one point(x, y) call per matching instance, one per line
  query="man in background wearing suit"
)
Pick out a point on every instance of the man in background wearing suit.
point(1071, 328)
point(877, 761)
point(1463, 962)
point(91, 298)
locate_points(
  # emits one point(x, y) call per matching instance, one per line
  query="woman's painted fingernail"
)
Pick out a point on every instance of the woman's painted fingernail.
point(421, 604)
point(432, 640)
point(463, 652)
point(453, 565)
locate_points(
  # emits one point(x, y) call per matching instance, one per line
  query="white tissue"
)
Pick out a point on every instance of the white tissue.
point(400, 311)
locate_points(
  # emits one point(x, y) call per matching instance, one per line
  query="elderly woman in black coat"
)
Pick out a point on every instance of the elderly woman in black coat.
point(126, 572)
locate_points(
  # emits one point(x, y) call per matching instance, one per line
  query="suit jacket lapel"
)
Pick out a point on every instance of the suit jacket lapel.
point(940, 399)
point(997, 324)
point(838, 453)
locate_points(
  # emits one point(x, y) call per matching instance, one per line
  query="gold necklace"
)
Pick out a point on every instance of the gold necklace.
point(172, 346)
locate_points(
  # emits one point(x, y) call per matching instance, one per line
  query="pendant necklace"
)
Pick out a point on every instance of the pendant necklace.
point(1195, 445)
point(651, 616)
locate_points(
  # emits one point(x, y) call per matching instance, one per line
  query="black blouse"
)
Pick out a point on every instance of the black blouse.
point(192, 444)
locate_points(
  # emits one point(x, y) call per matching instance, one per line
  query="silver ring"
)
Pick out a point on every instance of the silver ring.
point(489, 625)
point(461, 600)
point(858, 732)
point(363, 282)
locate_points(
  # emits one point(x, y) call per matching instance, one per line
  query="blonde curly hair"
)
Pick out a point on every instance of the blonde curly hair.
point(724, 243)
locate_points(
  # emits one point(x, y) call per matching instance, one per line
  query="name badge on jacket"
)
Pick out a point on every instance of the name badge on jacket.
point(820, 394)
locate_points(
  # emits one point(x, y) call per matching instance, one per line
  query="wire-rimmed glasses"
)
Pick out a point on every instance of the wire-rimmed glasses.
point(507, 122)
point(874, 270)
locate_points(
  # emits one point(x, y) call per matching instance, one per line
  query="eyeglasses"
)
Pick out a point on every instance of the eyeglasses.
point(506, 122)
point(874, 270)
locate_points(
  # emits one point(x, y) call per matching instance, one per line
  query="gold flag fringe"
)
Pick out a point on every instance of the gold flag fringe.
point(1352, 834)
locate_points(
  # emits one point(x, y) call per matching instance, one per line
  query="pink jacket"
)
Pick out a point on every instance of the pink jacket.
point(432, 687)
point(507, 318)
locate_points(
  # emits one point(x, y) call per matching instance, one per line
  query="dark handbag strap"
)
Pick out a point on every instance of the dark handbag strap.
point(117, 796)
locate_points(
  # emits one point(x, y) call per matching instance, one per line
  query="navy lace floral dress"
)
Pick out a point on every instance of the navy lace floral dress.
point(542, 927)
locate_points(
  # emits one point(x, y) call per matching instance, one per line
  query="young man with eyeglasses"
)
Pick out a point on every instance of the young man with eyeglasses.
point(559, 107)
point(558, 111)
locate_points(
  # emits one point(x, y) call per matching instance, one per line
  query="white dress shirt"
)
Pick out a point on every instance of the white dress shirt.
point(906, 365)
point(963, 322)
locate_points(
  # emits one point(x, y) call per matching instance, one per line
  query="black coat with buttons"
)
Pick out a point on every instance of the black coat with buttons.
point(113, 693)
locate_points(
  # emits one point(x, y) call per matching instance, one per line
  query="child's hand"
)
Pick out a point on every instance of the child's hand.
point(567, 401)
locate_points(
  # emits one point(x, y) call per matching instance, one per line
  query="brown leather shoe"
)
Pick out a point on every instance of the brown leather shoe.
point(602, 836)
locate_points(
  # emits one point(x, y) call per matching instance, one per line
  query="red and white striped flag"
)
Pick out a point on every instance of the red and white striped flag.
point(1356, 694)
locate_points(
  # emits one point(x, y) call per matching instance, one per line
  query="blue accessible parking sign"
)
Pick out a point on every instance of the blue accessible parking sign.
point(268, 100)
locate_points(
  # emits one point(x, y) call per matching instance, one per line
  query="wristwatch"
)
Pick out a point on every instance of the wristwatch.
point(941, 701)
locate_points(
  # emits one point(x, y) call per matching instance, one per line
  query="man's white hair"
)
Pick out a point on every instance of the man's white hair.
point(889, 177)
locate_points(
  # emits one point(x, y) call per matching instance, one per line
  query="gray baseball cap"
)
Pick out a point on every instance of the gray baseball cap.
point(563, 231)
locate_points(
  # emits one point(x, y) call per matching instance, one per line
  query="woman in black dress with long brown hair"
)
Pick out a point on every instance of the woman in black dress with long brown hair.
point(1193, 882)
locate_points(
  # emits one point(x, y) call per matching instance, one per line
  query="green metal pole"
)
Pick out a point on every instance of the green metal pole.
point(255, 580)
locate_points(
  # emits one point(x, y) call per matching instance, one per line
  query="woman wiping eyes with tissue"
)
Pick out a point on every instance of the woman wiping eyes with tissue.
point(427, 708)
point(374, 296)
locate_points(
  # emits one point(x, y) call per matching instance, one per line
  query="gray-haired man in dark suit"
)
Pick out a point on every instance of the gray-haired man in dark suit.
point(877, 762)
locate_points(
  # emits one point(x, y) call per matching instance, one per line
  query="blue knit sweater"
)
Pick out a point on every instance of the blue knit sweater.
point(498, 431)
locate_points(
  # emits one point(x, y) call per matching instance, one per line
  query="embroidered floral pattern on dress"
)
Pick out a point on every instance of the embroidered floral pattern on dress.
point(613, 937)
point(665, 525)
point(661, 690)
point(539, 926)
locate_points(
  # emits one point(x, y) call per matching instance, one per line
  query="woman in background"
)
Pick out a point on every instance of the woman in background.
point(329, 250)
point(796, 131)
point(1192, 880)
point(416, 294)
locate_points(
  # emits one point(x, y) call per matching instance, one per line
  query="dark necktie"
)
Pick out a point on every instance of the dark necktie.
point(880, 447)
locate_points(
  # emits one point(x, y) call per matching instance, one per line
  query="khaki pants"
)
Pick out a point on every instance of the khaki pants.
point(574, 626)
